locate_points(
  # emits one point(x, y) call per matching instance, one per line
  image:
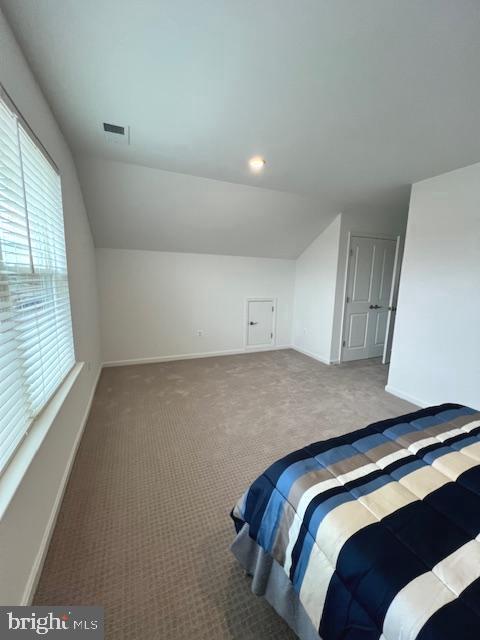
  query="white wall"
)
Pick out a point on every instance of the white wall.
point(436, 347)
point(384, 221)
point(152, 303)
point(315, 281)
point(24, 524)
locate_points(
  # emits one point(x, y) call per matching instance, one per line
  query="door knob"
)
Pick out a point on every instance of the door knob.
point(251, 323)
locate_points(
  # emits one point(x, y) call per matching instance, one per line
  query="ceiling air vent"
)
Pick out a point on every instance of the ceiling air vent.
point(116, 133)
point(113, 128)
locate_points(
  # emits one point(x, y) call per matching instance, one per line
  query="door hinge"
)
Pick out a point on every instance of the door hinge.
point(351, 252)
point(348, 299)
point(271, 336)
point(344, 343)
point(273, 309)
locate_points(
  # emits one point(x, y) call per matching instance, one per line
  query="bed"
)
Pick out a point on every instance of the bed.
point(373, 534)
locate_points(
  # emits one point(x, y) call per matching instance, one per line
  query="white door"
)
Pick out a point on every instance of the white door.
point(260, 325)
point(369, 286)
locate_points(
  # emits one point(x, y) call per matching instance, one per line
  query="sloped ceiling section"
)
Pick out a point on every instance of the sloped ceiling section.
point(136, 207)
point(349, 102)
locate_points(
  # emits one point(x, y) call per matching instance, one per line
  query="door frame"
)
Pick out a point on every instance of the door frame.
point(392, 304)
point(273, 341)
point(357, 234)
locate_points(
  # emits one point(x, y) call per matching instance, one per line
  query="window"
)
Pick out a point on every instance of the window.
point(36, 342)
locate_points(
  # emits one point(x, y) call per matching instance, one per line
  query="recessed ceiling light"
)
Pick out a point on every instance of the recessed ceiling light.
point(256, 164)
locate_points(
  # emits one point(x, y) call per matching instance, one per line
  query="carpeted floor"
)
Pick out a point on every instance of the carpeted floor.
point(144, 527)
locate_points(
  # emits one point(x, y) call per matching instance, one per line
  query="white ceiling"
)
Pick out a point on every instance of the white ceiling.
point(136, 207)
point(349, 101)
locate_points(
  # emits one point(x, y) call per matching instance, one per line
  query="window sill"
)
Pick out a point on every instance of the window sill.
point(18, 467)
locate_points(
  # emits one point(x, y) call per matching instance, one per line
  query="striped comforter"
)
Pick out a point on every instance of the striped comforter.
point(378, 530)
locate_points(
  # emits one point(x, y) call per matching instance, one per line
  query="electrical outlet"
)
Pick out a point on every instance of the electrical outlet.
point(200, 333)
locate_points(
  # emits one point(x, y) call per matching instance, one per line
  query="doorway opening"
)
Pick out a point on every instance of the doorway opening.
point(371, 298)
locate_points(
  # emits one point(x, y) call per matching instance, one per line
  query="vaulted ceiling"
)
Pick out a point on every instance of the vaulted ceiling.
point(349, 102)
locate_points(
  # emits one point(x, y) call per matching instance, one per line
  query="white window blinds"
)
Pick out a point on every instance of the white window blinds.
point(36, 342)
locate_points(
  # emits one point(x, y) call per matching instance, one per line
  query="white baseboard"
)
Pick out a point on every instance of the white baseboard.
point(405, 396)
point(194, 356)
point(37, 567)
point(310, 354)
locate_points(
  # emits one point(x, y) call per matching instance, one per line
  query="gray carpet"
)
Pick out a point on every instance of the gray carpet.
point(144, 528)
